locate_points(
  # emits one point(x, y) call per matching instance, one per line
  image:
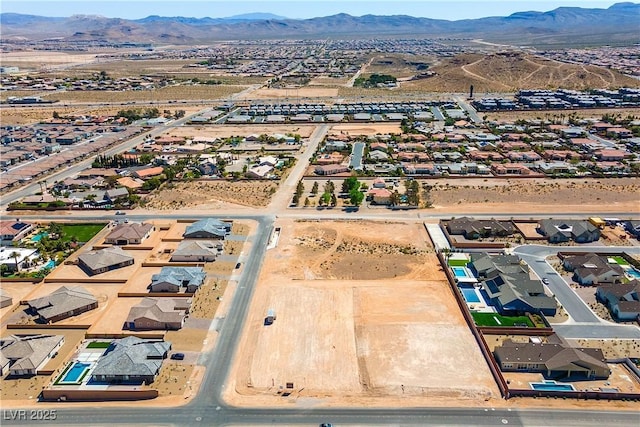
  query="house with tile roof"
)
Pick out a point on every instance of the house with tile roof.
point(622, 300)
point(208, 228)
point(562, 230)
point(26, 355)
point(103, 260)
point(592, 269)
point(507, 283)
point(131, 360)
point(158, 314)
point(555, 359)
point(197, 251)
point(12, 231)
point(178, 279)
point(64, 302)
point(129, 234)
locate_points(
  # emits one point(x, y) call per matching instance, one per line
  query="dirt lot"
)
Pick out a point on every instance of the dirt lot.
point(365, 129)
point(293, 93)
point(347, 334)
point(226, 131)
point(212, 195)
point(536, 195)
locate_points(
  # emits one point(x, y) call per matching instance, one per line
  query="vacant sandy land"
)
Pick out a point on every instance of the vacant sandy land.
point(353, 250)
point(212, 194)
point(365, 129)
point(512, 116)
point(310, 344)
point(606, 195)
point(356, 342)
point(227, 131)
point(196, 92)
point(47, 57)
point(293, 93)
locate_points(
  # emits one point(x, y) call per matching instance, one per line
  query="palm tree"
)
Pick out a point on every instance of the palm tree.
point(15, 256)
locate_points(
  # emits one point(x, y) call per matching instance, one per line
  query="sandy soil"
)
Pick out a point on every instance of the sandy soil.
point(537, 196)
point(358, 339)
point(523, 115)
point(365, 129)
point(292, 93)
point(226, 131)
point(212, 194)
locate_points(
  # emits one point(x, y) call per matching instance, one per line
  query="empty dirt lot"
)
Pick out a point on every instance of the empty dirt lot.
point(344, 334)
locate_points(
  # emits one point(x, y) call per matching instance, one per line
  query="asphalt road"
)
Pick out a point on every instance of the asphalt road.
point(469, 109)
point(583, 322)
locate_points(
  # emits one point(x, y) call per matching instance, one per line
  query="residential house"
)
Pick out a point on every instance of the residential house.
point(330, 169)
point(334, 158)
point(23, 257)
point(380, 196)
point(208, 228)
point(633, 227)
point(260, 171)
point(12, 231)
point(612, 155)
point(559, 231)
point(197, 251)
point(592, 269)
point(555, 359)
point(471, 228)
point(129, 234)
point(64, 302)
point(508, 285)
point(158, 314)
point(131, 360)
point(622, 299)
point(420, 169)
point(26, 355)
point(148, 173)
point(103, 260)
point(510, 169)
point(178, 279)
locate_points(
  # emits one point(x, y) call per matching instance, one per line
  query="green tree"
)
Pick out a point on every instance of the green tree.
point(329, 187)
point(334, 199)
point(325, 198)
point(15, 256)
point(307, 202)
point(349, 184)
point(299, 188)
point(356, 197)
point(314, 189)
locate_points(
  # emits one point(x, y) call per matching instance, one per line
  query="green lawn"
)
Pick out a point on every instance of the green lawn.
point(495, 319)
point(99, 344)
point(619, 260)
point(458, 262)
point(82, 232)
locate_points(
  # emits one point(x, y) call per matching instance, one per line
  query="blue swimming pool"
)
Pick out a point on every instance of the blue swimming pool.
point(76, 371)
point(459, 271)
point(49, 265)
point(39, 236)
point(552, 386)
point(470, 295)
point(633, 273)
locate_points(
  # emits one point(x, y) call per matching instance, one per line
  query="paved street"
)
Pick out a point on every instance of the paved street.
point(583, 323)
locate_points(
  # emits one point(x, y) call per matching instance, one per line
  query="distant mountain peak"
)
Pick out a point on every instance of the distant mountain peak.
point(256, 16)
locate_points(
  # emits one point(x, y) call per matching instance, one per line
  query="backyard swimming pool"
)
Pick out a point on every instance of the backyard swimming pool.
point(470, 295)
point(39, 236)
point(73, 375)
point(633, 273)
point(552, 386)
point(49, 265)
point(460, 272)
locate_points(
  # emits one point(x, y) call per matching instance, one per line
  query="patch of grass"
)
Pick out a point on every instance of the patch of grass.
point(99, 344)
point(495, 319)
point(82, 232)
point(458, 262)
point(619, 260)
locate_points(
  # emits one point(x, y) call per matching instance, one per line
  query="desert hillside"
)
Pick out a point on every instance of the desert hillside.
point(511, 71)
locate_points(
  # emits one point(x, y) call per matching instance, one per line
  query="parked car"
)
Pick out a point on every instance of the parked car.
point(545, 281)
point(238, 265)
point(120, 213)
point(177, 356)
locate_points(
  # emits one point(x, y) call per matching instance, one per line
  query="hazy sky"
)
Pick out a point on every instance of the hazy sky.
point(439, 9)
